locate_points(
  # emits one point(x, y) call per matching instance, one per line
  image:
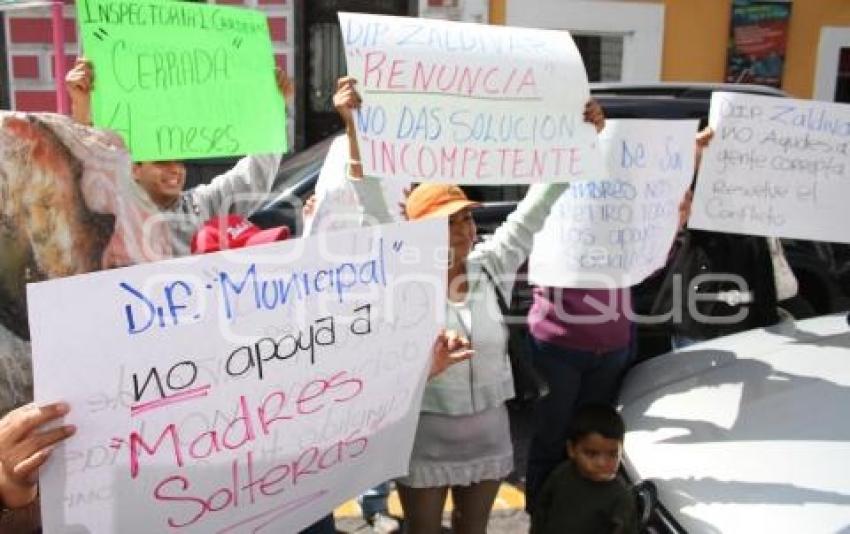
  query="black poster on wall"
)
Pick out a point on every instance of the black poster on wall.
point(757, 40)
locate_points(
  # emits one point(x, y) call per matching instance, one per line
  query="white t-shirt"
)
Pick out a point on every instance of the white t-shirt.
point(337, 204)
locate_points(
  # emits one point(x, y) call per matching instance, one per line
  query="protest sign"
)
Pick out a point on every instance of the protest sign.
point(183, 80)
point(468, 103)
point(776, 167)
point(617, 230)
point(250, 390)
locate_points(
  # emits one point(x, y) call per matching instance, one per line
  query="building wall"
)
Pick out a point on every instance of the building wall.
point(29, 45)
point(639, 26)
point(807, 19)
point(696, 34)
point(695, 37)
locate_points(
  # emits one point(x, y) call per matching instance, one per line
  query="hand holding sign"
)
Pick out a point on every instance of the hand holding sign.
point(24, 448)
point(449, 348)
point(594, 115)
point(347, 101)
point(702, 140)
point(78, 82)
point(285, 86)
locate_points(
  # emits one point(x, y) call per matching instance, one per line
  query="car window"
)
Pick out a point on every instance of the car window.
point(296, 167)
point(495, 193)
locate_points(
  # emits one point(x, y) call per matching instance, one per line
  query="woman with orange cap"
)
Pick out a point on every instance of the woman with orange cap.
point(463, 439)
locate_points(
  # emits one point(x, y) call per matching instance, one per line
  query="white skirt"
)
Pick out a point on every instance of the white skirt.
point(459, 450)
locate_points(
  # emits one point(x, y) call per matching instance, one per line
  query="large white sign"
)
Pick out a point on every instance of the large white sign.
point(468, 103)
point(246, 391)
point(617, 230)
point(776, 167)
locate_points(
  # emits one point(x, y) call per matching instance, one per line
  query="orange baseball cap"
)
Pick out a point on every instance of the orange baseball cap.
point(436, 200)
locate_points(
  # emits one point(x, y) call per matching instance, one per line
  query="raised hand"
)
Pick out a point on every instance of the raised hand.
point(702, 140)
point(79, 81)
point(346, 100)
point(285, 86)
point(594, 115)
point(449, 348)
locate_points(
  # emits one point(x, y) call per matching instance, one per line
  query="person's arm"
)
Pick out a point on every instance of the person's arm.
point(240, 190)
point(346, 101)
point(511, 243)
point(79, 82)
point(703, 138)
point(24, 448)
point(373, 205)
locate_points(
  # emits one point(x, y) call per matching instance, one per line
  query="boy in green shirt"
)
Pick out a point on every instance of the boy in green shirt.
point(583, 494)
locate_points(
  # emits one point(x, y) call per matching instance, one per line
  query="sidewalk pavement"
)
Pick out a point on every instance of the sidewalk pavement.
point(508, 516)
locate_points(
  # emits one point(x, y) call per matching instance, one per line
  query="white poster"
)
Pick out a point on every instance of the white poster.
point(468, 103)
point(776, 167)
point(251, 390)
point(617, 230)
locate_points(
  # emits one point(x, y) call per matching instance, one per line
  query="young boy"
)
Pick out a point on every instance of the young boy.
point(583, 494)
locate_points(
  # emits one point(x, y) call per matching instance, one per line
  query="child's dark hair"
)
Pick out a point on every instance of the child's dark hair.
point(597, 418)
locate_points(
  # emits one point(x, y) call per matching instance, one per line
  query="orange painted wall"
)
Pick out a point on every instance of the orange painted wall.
point(696, 35)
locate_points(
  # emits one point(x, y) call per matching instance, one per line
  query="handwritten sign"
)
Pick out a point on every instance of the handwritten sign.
point(246, 391)
point(183, 80)
point(616, 231)
point(468, 103)
point(776, 167)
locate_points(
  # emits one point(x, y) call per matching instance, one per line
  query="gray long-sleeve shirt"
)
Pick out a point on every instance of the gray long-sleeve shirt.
point(240, 190)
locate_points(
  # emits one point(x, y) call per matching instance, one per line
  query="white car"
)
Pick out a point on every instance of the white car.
point(747, 433)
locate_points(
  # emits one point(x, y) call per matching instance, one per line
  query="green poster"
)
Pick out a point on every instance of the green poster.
point(182, 80)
